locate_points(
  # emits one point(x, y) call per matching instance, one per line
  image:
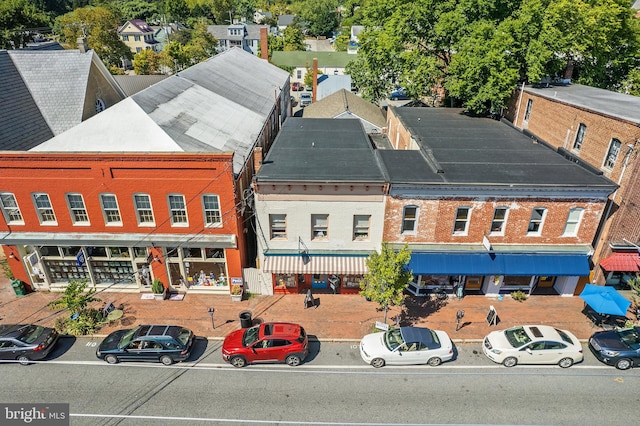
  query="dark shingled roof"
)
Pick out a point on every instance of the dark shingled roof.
point(459, 149)
point(321, 150)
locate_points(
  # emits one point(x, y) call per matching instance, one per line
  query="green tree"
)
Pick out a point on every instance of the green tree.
point(387, 277)
point(342, 42)
point(177, 10)
point(76, 297)
point(15, 17)
point(99, 24)
point(138, 9)
point(319, 17)
point(147, 62)
point(293, 39)
point(631, 84)
point(275, 44)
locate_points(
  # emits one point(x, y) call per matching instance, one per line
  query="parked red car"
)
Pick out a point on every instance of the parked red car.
point(296, 87)
point(271, 341)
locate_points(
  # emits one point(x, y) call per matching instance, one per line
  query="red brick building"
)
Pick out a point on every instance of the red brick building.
point(600, 129)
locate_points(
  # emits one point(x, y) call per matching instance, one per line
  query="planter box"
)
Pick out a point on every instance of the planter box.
point(236, 298)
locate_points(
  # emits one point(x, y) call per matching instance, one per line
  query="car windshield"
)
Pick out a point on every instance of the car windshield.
point(393, 339)
point(629, 336)
point(126, 339)
point(251, 336)
point(517, 336)
point(30, 333)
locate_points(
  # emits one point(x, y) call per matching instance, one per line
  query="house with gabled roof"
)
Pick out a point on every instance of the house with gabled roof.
point(138, 35)
point(241, 35)
point(157, 186)
point(46, 92)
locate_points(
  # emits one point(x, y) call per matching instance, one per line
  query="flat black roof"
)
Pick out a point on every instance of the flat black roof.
point(459, 149)
point(321, 150)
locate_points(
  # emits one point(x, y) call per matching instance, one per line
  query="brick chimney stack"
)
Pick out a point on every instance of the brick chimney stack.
point(257, 158)
point(315, 80)
point(83, 46)
point(264, 44)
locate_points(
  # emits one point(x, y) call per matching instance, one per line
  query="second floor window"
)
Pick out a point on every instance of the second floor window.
point(44, 208)
point(612, 153)
point(577, 144)
point(319, 226)
point(278, 225)
point(212, 215)
point(461, 222)
point(535, 223)
point(177, 209)
point(77, 209)
point(573, 222)
point(361, 227)
point(10, 208)
point(110, 209)
point(144, 212)
point(409, 219)
point(136, 37)
point(499, 220)
point(125, 38)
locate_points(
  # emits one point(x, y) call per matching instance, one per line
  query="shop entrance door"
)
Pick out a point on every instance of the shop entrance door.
point(319, 281)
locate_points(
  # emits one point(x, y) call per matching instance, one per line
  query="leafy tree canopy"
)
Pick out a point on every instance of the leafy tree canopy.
point(15, 17)
point(318, 17)
point(293, 39)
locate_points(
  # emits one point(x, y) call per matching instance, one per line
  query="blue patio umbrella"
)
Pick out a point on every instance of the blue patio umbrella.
point(605, 300)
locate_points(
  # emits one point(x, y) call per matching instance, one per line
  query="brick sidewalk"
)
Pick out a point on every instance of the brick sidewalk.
point(336, 317)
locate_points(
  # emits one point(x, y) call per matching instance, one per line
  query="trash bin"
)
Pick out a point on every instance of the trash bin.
point(245, 319)
point(18, 287)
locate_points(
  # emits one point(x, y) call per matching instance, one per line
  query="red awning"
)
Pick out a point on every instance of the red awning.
point(622, 262)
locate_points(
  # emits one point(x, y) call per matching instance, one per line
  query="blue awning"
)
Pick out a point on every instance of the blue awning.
point(523, 264)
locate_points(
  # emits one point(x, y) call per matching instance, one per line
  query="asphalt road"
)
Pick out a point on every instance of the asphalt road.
point(333, 387)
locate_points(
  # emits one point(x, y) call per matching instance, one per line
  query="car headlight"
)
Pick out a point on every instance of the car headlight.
point(496, 351)
point(610, 353)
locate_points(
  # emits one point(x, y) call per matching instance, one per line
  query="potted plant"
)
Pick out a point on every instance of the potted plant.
point(236, 293)
point(158, 289)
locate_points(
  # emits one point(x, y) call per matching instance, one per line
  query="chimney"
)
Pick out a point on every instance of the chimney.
point(264, 44)
point(257, 158)
point(83, 46)
point(315, 80)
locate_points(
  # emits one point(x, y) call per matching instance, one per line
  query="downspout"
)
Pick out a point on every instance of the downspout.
point(519, 105)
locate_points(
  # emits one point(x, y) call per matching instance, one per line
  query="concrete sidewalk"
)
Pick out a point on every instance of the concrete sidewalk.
point(338, 317)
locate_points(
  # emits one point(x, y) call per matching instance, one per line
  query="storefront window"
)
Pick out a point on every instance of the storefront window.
point(436, 280)
point(49, 251)
point(172, 252)
point(285, 280)
point(97, 251)
point(110, 271)
point(119, 251)
point(63, 271)
point(192, 252)
point(70, 251)
point(215, 253)
point(140, 252)
point(516, 281)
point(205, 274)
point(352, 281)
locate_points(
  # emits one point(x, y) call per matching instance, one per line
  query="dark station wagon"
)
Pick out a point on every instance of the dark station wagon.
point(26, 342)
point(164, 343)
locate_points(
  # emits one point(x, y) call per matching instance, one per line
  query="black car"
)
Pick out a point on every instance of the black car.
point(164, 343)
point(26, 342)
point(620, 347)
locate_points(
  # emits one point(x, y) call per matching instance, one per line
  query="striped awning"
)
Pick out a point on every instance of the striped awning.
point(350, 265)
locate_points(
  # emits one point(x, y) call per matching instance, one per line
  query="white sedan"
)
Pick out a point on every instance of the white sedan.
point(406, 345)
point(533, 344)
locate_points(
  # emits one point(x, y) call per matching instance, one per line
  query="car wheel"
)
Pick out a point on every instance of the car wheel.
point(293, 360)
point(166, 360)
point(238, 361)
point(509, 362)
point(623, 364)
point(377, 362)
point(111, 359)
point(565, 362)
point(435, 361)
point(23, 360)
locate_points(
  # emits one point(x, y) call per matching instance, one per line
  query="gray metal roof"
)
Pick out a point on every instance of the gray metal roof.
point(459, 149)
point(132, 84)
point(321, 150)
point(619, 105)
point(214, 106)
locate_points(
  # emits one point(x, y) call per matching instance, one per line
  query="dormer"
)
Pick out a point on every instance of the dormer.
point(237, 30)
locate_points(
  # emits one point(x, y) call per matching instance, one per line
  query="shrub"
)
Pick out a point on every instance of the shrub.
point(236, 290)
point(157, 286)
point(519, 296)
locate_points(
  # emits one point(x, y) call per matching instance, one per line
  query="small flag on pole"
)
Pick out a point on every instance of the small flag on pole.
point(80, 258)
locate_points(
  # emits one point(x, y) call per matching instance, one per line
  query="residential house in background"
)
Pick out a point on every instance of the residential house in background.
point(329, 63)
point(138, 36)
point(319, 202)
point(354, 42)
point(343, 105)
point(601, 130)
point(284, 21)
point(241, 35)
point(46, 92)
point(484, 207)
point(156, 186)
point(260, 16)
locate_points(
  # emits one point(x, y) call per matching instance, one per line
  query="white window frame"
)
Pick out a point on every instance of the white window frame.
point(361, 227)
point(212, 215)
point(10, 209)
point(78, 212)
point(612, 154)
point(144, 213)
point(319, 230)
point(406, 220)
point(534, 220)
point(527, 111)
point(465, 221)
point(178, 210)
point(108, 212)
point(582, 130)
point(572, 225)
point(44, 208)
point(502, 222)
point(278, 226)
